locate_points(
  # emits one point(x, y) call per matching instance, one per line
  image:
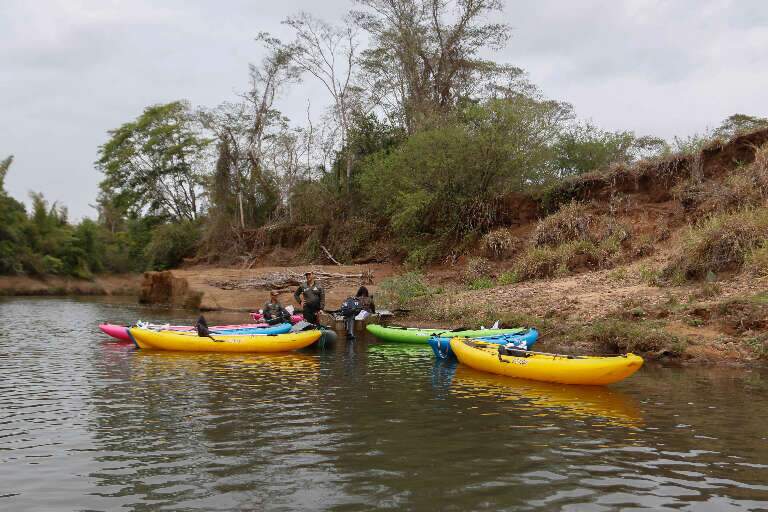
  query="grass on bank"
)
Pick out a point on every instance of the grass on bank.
point(723, 242)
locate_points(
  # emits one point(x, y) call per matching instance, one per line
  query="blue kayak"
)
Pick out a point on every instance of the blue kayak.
point(442, 346)
point(272, 329)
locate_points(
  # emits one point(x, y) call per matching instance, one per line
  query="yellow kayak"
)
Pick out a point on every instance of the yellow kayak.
point(190, 342)
point(546, 367)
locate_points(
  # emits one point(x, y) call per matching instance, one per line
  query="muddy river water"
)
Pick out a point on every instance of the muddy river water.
point(87, 423)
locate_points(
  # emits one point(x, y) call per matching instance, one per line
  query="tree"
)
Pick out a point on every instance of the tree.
point(424, 54)
point(13, 222)
point(243, 131)
point(444, 183)
point(329, 54)
point(153, 164)
point(583, 147)
point(739, 123)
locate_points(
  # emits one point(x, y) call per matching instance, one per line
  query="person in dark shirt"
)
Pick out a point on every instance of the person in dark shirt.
point(273, 311)
point(311, 297)
point(365, 303)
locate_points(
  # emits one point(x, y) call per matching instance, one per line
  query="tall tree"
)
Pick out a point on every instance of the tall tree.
point(424, 54)
point(329, 53)
point(153, 164)
point(4, 166)
point(244, 131)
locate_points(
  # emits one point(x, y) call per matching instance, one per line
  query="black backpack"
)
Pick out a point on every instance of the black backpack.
point(350, 307)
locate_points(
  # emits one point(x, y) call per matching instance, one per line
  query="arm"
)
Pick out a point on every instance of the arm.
point(297, 294)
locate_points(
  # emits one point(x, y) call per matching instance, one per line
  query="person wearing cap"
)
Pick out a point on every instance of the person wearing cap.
point(311, 297)
point(273, 311)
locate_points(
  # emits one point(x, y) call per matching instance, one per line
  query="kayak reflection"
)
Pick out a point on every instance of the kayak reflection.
point(569, 400)
point(285, 365)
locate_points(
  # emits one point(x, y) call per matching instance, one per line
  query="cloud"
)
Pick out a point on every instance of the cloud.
point(72, 69)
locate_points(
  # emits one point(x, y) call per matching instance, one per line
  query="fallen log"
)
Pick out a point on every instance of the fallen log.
point(327, 253)
point(282, 281)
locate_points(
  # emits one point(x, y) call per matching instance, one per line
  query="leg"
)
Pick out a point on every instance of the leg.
point(310, 315)
point(349, 323)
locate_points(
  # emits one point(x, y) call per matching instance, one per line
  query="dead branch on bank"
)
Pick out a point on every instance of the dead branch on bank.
point(282, 281)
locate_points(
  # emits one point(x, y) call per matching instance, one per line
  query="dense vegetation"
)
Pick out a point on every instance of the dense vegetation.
point(421, 144)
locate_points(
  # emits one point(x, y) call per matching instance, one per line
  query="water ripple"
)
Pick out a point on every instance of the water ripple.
point(88, 424)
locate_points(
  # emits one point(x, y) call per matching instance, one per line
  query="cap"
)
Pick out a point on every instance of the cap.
point(307, 272)
point(274, 293)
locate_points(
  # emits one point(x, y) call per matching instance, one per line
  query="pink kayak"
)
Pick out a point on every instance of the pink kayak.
point(121, 332)
point(256, 316)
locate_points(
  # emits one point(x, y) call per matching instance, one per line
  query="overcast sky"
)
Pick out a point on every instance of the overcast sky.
point(72, 69)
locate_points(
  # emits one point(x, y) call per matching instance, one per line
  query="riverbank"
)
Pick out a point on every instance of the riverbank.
point(607, 311)
point(233, 289)
point(106, 284)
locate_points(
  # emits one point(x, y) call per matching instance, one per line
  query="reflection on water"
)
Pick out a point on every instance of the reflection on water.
point(89, 424)
point(585, 402)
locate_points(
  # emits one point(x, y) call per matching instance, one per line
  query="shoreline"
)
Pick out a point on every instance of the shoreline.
point(666, 325)
point(125, 285)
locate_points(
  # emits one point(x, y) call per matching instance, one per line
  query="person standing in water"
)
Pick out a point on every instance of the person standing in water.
point(273, 311)
point(353, 307)
point(311, 297)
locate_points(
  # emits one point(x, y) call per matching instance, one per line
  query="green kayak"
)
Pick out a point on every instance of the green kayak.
point(422, 335)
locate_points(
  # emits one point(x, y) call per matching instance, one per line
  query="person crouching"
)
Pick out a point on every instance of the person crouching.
point(273, 311)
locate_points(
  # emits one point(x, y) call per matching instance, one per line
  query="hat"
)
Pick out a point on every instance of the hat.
point(274, 293)
point(308, 272)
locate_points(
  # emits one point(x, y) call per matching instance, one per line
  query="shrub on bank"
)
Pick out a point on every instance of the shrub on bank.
point(541, 262)
point(476, 269)
point(746, 186)
point(618, 336)
point(399, 291)
point(570, 223)
point(500, 243)
point(723, 242)
point(171, 243)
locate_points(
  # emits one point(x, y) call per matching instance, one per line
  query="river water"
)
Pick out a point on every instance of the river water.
point(91, 424)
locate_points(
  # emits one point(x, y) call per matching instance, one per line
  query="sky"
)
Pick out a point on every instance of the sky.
point(70, 70)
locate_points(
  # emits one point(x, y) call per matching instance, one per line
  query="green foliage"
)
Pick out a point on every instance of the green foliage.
point(171, 243)
point(509, 277)
point(650, 276)
point(481, 283)
point(559, 260)
point(422, 255)
point(584, 147)
point(445, 182)
point(733, 125)
point(401, 291)
point(737, 124)
point(151, 164)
